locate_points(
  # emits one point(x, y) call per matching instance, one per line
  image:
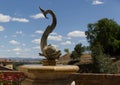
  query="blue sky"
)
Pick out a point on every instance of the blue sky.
point(22, 24)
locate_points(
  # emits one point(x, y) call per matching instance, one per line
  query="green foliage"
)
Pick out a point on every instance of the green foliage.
point(77, 51)
point(86, 68)
point(73, 62)
point(102, 63)
point(17, 64)
point(106, 32)
point(86, 48)
point(104, 40)
point(66, 50)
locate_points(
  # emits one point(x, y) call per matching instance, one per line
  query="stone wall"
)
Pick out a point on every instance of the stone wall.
point(97, 79)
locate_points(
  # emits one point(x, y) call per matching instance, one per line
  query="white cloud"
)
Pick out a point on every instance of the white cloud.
point(39, 31)
point(14, 35)
point(23, 44)
point(76, 34)
point(1, 28)
point(37, 16)
point(83, 40)
point(53, 33)
point(55, 46)
point(19, 32)
point(21, 50)
point(97, 2)
point(36, 48)
point(20, 19)
point(4, 18)
point(55, 38)
point(69, 38)
point(7, 18)
point(17, 49)
point(18, 53)
point(36, 41)
point(32, 35)
point(14, 42)
point(66, 43)
point(26, 50)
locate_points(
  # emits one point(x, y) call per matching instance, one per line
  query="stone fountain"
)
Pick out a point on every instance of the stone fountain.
point(49, 73)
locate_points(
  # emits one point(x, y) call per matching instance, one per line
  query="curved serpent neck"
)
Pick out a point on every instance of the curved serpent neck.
point(49, 28)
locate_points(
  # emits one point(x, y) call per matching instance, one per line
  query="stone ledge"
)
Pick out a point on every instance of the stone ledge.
point(44, 69)
point(97, 79)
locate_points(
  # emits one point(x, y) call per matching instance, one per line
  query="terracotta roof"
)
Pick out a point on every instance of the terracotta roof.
point(5, 60)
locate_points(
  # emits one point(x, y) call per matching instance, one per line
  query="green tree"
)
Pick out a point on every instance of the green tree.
point(66, 50)
point(106, 32)
point(78, 50)
point(101, 62)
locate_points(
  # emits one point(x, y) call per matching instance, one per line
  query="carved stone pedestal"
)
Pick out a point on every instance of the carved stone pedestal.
point(48, 75)
point(47, 62)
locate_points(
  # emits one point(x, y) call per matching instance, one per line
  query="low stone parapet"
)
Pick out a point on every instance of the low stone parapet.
point(97, 79)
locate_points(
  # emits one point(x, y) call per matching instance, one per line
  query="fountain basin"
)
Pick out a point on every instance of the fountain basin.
point(48, 75)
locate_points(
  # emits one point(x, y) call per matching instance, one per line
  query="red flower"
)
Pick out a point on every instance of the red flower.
point(9, 78)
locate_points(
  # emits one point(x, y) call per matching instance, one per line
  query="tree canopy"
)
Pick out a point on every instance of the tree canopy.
point(78, 49)
point(106, 32)
point(66, 50)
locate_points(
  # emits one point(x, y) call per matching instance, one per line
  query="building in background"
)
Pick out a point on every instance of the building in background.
point(6, 63)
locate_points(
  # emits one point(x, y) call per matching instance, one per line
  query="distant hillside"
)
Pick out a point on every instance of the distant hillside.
point(16, 59)
point(83, 59)
point(64, 59)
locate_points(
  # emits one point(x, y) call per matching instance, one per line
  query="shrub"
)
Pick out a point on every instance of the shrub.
point(11, 78)
point(102, 63)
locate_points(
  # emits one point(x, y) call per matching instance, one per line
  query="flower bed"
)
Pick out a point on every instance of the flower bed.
point(11, 77)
